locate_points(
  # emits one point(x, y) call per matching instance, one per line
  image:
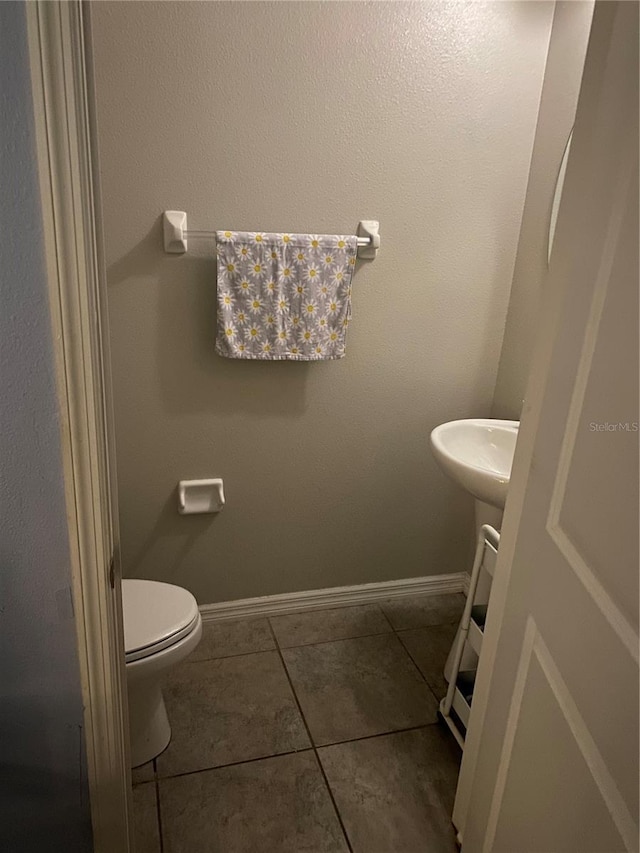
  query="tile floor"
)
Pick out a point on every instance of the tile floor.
point(309, 733)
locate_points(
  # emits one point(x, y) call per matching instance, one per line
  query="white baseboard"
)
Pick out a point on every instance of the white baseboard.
point(337, 596)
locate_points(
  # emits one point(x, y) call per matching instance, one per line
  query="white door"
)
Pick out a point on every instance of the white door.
point(551, 759)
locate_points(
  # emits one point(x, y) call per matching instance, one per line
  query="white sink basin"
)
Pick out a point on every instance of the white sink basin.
point(477, 454)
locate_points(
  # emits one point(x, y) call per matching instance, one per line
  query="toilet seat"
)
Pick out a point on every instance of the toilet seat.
point(156, 616)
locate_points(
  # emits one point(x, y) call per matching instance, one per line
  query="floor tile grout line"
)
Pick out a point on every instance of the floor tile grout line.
point(234, 763)
point(384, 616)
point(377, 735)
point(280, 649)
point(296, 646)
point(422, 675)
point(228, 657)
point(429, 625)
point(159, 814)
point(156, 782)
point(286, 648)
point(357, 637)
point(328, 610)
point(431, 689)
point(313, 746)
point(420, 672)
point(333, 799)
point(336, 640)
point(317, 643)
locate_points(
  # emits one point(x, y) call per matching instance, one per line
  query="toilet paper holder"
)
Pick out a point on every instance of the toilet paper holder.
point(200, 496)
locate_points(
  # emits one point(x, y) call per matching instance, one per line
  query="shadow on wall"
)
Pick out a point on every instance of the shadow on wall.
point(176, 535)
point(193, 379)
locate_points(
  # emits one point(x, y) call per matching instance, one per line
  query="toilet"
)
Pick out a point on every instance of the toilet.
point(162, 625)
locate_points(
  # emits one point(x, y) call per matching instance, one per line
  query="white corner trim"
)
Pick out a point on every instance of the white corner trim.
point(61, 104)
point(337, 596)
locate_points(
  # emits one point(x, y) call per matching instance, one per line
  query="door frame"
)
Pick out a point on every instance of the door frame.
point(59, 51)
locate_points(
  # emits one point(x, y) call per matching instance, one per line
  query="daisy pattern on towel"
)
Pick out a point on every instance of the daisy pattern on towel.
point(283, 296)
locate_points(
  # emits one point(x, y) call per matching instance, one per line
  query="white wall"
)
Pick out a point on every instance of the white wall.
point(43, 779)
point(308, 117)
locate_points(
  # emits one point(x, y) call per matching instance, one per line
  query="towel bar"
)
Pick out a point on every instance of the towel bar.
point(176, 234)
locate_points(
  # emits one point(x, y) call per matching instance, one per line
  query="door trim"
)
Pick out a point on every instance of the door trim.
point(61, 101)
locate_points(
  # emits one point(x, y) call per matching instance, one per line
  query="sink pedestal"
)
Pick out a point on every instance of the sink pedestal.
point(487, 514)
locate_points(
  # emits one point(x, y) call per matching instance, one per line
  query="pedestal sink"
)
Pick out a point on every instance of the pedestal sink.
point(477, 454)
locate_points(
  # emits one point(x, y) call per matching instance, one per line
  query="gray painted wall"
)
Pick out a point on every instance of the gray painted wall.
point(310, 116)
point(563, 75)
point(42, 769)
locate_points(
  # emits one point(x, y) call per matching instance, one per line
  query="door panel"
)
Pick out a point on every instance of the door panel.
point(525, 806)
point(551, 759)
point(606, 383)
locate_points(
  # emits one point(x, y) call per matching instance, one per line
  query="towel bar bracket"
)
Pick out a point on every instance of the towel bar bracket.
point(368, 228)
point(174, 231)
point(175, 234)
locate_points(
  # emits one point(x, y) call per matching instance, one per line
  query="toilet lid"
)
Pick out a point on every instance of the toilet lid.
point(156, 615)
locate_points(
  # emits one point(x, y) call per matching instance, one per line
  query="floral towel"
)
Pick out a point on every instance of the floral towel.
point(283, 296)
